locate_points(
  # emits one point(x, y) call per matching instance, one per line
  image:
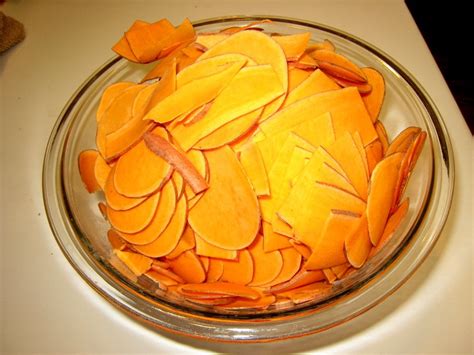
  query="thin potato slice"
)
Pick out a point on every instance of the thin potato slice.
point(118, 201)
point(86, 164)
point(374, 100)
point(267, 265)
point(203, 248)
point(254, 167)
point(188, 266)
point(186, 242)
point(139, 264)
point(238, 271)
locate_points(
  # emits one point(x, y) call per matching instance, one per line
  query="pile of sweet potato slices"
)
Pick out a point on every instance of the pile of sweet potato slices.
point(254, 173)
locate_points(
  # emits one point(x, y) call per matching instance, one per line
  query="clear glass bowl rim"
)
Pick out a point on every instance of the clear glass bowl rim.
point(301, 322)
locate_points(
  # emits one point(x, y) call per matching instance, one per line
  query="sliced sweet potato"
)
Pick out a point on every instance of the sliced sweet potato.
point(358, 244)
point(169, 238)
point(251, 88)
point(293, 45)
point(254, 167)
point(139, 264)
point(403, 140)
point(164, 64)
point(311, 292)
point(230, 132)
point(263, 50)
point(344, 150)
point(164, 212)
point(140, 172)
point(86, 164)
point(117, 201)
point(374, 153)
point(109, 95)
point(198, 160)
point(261, 303)
point(374, 100)
point(382, 186)
point(215, 271)
point(203, 248)
point(122, 47)
point(363, 88)
point(204, 262)
point(273, 241)
point(230, 197)
point(209, 40)
point(362, 153)
point(135, 219)
point(186, 242)
point(221, 288)
point(291, 265)
point(238, 271)
point(267, 265)
point(167, 272)
point(382, 134)
point(301, 248)
point(295, 77)
point(338, 65)
point(305, 62)
point(340, 270)
point(162, 280)
point(325, 44)
point(101, 171)
point(188, 266)
point(184, 34)
point(193, 95)
point(316, 83)
point(178, 183)
point(164, 149)
point(302, 278)
point(116, 240)
point(250, 26)
point(346, 107)
point(330, 275)
point(328, 250)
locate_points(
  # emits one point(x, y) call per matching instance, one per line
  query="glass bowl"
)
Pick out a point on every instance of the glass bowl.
point(80, 229)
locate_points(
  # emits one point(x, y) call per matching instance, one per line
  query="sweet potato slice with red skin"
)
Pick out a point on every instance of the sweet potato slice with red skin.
point(86, 164)
point(338, 65)
point(403, 140)
point(135, 219)
point(302, 278)
point(358, 243)
point(115, 200)
point(267, 265)
point(164, 212)
point(363, 88)
point(164, 149)
point(188, 266)
point(169, 238)
point(140, 172)
point(230, 197)
point(374, 100)
point(382, 187)
point(137, 263)
point(221, 288)
point(109, 95)
point(238, 271)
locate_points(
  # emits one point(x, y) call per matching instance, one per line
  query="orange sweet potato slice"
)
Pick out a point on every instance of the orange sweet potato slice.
point(109, 95)
point(183, 34)
point(178, 183)
point(215, 271)
point(340, 270)
point(305, 62)
point(203, 248)
point(164, 64)
point(140, 172)
point(250, 26)
point(362, 153)
point(254, 167)
point(291, 265)
point(393, 223)
point(295, 77)
point(293, 45)
point(382, 135)
point(102, 209)
point(135, 219)
point(263, 50)
point(273, 241)
point(204, 262)
point(382, 187)
point(225, 289)
point(374, 100)
point(86, 163)
point(346, 107)
point(328, 250)
point(137, 263)
point(358, 243)
point(115, 200)
point(325, 44)
point(101, 171)
point(316, 83)
point(164, 149)
point(415, 151)
point(230, 197)
point(162, 280)
point(164, 212)
point(186, 242)
point(330, 275)
point(267, 265)
point(209, 40)
point(374, 153)
point(238, 271)
point(302, 278)
point(338, 65)
point(403, 140)
point(169, 238)
point(122, 47)
point(245, 304)
point(344, 150)
point(167, 272)
point(230, 132)
point(363, 88)
point(116, 240)
point(248, 90)
point(193, 95)
point(188, 266)
point(304, 250)
point(310, 292)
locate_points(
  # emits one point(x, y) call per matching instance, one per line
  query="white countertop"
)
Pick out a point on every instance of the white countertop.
point(47, 307)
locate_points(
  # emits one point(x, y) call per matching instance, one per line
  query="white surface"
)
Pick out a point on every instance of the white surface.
point(45, 305)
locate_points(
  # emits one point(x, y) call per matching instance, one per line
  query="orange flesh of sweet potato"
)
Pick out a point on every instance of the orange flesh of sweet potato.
point(86, 164)
point(382, 186)
point(358, 243)
point(301, 248)
point(238, 271)
point(267, 265)
point(221, 288)
point(168, 273)
point(164, 149)
point(163, 215)
point(134, 219)
point(188, 267)
point(313, 291)
point(293, 45)
point(363, 88)
point(273, 241)
point(209, 40)
point(215, 271)
point(230, 197)
point(115, 240)
point(302, 278)
point(350, 70)
point(246, 304)
point(178, 183)
point(115, 200)
point(186, 242)
point(374, 153)
point(101, 171)
point(162, 280)
point(291, 265)
point(139, 264)
point(325, 44)
point(254, 167)
point(203, 248)
point(374, 100)
point(140, 172)
point(295, 77)
point(403, 140)
point(122, 47)
point(169, 238)
point(108, 96)
point(382, 134)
